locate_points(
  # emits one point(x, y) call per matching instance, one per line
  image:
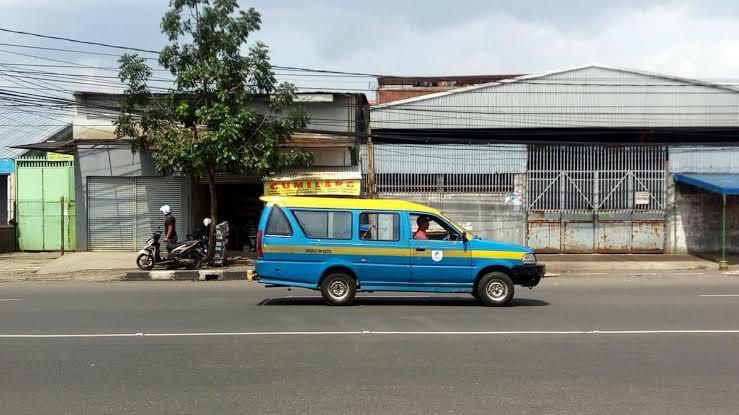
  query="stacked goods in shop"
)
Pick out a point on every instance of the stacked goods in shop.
point(219, 253)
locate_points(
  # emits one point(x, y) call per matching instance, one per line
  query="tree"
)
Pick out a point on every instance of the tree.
point(225, 112)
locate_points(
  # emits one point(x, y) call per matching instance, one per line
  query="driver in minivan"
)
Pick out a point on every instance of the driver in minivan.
point(423, 226)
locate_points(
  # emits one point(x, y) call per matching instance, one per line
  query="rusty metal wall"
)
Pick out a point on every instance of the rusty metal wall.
point(608, 199)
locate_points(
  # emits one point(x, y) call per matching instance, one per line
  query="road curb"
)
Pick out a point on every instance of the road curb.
point(186, 275)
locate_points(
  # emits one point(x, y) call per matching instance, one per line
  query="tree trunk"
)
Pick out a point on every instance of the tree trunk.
point(213, 213)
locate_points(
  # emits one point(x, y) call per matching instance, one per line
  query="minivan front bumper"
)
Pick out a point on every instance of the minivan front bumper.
point(528, 275)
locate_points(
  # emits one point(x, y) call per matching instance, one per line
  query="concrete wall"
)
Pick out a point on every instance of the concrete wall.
point(104, 161)
point(488, 214)
point(697, 222)
point(491, 216)
point(328, 112)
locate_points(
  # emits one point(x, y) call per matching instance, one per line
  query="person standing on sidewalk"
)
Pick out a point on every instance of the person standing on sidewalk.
point(170, 231)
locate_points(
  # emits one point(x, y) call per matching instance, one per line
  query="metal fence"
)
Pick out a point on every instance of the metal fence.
point(597, 178)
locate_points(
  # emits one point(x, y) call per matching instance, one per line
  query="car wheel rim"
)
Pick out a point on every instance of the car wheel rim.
point(338, 289)
point(497, 290)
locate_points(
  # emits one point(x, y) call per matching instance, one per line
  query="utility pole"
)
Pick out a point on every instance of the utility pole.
point(371, 189)
point(61, 221)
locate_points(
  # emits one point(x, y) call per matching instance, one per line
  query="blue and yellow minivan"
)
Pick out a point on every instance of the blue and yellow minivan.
point(341, 246)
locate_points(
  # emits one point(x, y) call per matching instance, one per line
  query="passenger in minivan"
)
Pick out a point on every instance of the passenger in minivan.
point(423, 226)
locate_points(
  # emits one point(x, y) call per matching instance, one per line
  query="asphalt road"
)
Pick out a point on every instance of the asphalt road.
point(572, 345)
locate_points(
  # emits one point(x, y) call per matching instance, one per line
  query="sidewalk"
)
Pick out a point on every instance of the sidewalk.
point(116, 266)
point(603, 263)
point(100, 266)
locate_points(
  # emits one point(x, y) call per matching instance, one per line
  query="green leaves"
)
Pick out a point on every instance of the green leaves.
point(226, 112)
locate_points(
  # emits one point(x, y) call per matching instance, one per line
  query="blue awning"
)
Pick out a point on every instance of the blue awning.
point(725, 184)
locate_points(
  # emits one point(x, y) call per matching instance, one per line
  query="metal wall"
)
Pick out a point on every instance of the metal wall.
point(447, 158)
point(704, 159)
point(123, 211)
point(591, 96)
point(609, 199)
point(104, 161)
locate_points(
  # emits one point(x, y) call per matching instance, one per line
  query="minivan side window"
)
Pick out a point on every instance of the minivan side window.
point(277, 223)
point(325, 224)
point(426, 226)
point(379, 226)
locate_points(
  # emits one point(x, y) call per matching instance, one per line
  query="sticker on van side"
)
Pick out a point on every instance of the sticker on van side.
point(318, 251)
point(437, 255)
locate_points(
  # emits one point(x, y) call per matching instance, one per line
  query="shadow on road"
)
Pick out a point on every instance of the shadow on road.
point(398, 301)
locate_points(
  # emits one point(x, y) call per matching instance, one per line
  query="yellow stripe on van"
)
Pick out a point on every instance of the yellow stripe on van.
point(498, 254)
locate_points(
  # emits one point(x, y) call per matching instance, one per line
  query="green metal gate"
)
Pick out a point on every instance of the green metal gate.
point(40, 186)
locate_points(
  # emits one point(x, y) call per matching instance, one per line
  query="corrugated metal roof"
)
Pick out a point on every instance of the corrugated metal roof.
point(696, 159)
point(317, 173)
point(19, 128)
point(450, 158)
point(589, 96)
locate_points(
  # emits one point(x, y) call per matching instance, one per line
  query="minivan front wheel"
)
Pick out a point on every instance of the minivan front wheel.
point(495, 289)
point(338, 289)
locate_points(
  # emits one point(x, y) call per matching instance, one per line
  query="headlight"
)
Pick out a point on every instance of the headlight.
point(529, 259)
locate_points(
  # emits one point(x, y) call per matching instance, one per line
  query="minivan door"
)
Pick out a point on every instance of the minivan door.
point(439, 256)
point(382, 252)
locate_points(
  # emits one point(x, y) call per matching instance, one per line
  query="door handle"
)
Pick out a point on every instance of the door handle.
point(420, 249)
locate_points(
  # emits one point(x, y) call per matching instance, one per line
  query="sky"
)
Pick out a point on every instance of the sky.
point(688, 38)
point(430, 37)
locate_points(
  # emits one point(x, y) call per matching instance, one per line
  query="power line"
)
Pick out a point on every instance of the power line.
point(84, 42)
point(107, 45)
point(87, 52)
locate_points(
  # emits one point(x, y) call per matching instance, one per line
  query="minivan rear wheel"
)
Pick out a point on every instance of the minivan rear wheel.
point(495, 289)
point(338, 288)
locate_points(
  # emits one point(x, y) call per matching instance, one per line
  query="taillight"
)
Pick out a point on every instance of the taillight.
point(260, 253)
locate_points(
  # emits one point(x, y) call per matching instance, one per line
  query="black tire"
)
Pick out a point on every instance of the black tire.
point(145, 262)
point(338, 288)
point(495, 289)
point(195, 264)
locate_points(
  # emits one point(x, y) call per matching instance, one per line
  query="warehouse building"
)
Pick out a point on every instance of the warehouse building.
point(572, 161)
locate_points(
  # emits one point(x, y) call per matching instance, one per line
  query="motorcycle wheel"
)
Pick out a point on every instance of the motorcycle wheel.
point(195, 264)
point(145, 262)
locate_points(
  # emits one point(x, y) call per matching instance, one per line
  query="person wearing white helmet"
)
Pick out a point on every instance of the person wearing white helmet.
point(170, 231)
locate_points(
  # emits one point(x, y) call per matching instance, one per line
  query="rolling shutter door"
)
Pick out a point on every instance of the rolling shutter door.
point(111, 204)
point(151, 194)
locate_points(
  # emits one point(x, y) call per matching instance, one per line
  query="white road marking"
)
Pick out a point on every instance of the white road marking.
point(372, 332)
point(719, 295)
point(10, 299)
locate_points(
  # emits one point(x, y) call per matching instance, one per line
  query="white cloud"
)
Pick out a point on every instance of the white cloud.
point(678, 40)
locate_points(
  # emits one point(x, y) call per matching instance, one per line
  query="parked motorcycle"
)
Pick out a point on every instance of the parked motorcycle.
point(188, 254)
